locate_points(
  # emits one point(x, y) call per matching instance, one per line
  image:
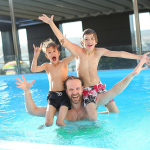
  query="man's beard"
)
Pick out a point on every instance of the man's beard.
point(79, 99)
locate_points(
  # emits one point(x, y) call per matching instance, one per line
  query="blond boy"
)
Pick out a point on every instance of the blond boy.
point(57, 71)
point(87, 59)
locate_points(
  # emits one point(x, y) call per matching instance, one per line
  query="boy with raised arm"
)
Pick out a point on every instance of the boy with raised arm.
point(74, 88)
point(57, 71)
point(87, 61)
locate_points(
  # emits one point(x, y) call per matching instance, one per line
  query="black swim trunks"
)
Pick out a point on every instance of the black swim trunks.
point(58, 99)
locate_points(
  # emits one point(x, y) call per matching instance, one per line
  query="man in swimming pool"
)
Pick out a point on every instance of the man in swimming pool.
point(87, 58)
point(74, 89)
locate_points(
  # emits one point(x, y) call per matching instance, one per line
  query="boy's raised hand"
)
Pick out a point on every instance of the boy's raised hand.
point(24, 85)
point(63, 41)
point(37, 50)
point(147, 58)
point(46, 19)
point(140, 67)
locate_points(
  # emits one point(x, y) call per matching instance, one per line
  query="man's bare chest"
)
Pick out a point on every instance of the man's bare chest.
point(74, 115)
point(82, 114)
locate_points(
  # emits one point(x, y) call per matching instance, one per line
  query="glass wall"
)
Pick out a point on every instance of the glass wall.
point(23, 45)
point(144, 20)
point(1, 55)
point(73, 32)
point(8, 64)
point(25, 63)
point(145, 30)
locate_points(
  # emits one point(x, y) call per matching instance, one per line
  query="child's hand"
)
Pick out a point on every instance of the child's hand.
point(63, 41)
point(37, 50)
point(46, 19)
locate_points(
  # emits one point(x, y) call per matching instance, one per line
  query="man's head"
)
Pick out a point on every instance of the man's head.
point(51, 50)
point(89, 39)
point(74, 88)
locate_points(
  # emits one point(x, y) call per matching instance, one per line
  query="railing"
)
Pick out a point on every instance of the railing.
point(8, 64)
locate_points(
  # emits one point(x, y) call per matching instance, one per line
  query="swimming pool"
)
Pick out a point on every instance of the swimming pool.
point(129, 129)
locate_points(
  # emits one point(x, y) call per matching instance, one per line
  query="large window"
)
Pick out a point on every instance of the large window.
point(23, 45)
point(1, 52)
point(73, 32)
point(144, 20)
point(145, 30)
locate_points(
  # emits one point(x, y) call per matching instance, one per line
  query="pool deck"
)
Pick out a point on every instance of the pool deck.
point(14, 145)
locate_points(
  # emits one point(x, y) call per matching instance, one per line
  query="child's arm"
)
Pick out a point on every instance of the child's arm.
point(69, 59)
point(63, 42)
point(72, 56)
point(34, 67)
point(124, 54)
point(70, 46)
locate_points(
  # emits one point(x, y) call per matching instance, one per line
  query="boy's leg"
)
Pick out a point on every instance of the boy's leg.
point(50, 112)
point(92, 112)
point(61, 116)
point(89, 97)
point(112, 107)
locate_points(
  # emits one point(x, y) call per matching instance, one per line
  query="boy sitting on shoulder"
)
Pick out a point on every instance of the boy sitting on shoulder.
point(57, 72)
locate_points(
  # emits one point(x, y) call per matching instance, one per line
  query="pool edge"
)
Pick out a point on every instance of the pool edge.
point(15, 145)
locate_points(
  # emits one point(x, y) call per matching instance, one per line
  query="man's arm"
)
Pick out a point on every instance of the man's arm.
point(104, 98)
point(124, 54)
point(31, 108)
point(68, 45)
point(34, 67)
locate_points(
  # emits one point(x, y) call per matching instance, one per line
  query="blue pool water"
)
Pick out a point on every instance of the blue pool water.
point(129, 129)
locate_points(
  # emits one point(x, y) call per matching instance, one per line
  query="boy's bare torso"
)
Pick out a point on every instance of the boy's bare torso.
point(57, 75)
point(87, 66)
